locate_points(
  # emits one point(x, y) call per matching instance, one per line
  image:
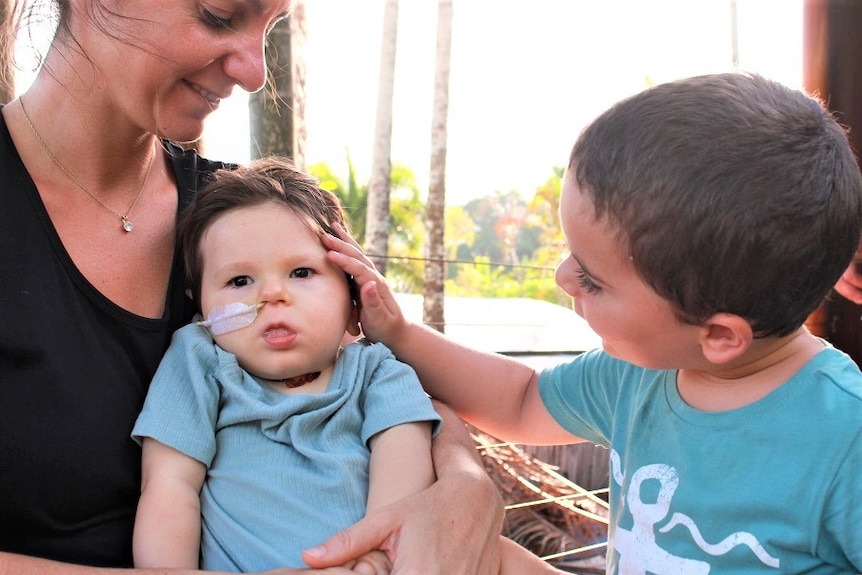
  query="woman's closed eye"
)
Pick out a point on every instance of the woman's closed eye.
point(215, 21)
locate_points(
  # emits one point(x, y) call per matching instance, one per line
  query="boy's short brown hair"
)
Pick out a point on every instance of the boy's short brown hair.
point(731, 193)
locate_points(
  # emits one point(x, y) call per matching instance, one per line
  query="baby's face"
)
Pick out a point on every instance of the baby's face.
point(634, 322)
point(266, 255)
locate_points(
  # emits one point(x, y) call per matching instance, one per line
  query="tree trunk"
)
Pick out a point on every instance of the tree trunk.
point(832, 70)
point(298, 35)
point(271, 109)
point(435, 265)
point(377, 216)
point(7, 52)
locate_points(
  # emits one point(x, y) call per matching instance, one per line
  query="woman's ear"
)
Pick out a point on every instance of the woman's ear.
point(725, 337)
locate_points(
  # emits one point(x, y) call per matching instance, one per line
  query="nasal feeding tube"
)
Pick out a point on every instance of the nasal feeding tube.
point(231, 317)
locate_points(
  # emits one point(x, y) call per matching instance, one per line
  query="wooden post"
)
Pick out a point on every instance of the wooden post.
point(832, 70)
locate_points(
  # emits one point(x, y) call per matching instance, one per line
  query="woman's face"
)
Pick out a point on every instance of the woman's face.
point(166, 64)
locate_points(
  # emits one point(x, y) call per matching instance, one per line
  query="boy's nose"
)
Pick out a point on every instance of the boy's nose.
point(565, 279)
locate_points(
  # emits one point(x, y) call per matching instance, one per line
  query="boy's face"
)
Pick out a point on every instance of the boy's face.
point(634, 322)
point(267, 253)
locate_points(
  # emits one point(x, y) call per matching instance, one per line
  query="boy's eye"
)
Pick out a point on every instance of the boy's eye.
point(586, 283)
point(301, 273)
point(240, 281)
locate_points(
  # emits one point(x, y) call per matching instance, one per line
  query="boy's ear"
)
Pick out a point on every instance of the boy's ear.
point(353, 321)
point(725, 337)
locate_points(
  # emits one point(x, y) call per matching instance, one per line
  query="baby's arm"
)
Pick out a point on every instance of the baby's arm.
point(168, 522)
point(463, 378)
point(400, 465)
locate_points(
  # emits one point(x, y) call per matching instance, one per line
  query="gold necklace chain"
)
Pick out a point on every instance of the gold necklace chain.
point(124, 218)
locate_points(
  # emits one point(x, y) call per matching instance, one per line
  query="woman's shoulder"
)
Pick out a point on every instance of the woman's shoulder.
point(191, 169)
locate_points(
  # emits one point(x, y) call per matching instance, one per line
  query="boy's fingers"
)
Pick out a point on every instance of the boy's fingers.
point(361, 272)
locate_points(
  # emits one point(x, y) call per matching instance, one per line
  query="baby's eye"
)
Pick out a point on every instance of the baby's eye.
point(302, 273)
point(240, 281)
point(586, 283)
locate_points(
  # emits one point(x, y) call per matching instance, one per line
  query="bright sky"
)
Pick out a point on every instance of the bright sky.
point(526, 76)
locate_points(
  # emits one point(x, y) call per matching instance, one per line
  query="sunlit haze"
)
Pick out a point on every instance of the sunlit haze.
point(525, 78)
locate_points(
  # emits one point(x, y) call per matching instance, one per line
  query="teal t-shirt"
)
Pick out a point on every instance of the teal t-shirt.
point(773, 487)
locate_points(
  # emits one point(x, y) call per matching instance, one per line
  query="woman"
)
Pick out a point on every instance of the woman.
point(91, 190)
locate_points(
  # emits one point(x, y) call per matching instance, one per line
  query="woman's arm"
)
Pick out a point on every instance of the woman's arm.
point(11, 564)
point(168, 522)
point(451, 527)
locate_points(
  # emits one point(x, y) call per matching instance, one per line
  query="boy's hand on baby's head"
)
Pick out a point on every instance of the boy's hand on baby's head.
point(380, 314)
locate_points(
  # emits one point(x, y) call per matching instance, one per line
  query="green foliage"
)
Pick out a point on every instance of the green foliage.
point(497, 246)
point(353, 198)
point(406, 233)
point(523, 240)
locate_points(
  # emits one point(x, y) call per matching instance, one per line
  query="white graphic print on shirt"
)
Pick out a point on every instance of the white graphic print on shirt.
point(638, 552)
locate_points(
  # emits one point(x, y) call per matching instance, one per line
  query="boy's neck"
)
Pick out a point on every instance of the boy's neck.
point(769, 363)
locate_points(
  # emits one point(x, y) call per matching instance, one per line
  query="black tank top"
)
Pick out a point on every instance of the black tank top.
point(74, 370)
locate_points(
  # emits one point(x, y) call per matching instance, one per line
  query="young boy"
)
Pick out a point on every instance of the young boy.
point(263, 435)
point(705, 218)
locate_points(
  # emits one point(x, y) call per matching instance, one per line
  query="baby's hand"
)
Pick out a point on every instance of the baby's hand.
point(380, 314)
point(372, 563)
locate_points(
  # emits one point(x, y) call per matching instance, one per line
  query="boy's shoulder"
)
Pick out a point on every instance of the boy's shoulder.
point(838, 368)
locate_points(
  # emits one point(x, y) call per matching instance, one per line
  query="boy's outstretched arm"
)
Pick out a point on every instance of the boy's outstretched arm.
point(451, 527)
point(460, 377)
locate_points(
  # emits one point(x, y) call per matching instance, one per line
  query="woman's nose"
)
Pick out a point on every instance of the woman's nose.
point(246, 63)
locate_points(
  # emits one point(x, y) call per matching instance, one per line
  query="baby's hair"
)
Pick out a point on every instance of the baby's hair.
point(730, 193)
point(267, 180)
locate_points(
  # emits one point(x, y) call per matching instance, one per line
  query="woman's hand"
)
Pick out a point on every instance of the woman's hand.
point(451, 528)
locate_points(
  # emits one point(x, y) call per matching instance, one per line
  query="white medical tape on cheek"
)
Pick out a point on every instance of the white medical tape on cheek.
point(231, 317)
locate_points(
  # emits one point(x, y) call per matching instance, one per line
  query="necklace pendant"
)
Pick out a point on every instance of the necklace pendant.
point(127, 225)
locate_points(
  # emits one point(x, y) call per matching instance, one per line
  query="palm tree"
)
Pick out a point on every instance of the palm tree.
point(7, 48)
point(377, 223)
point(435, 266)
point(270, 109)
point(298, 35)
